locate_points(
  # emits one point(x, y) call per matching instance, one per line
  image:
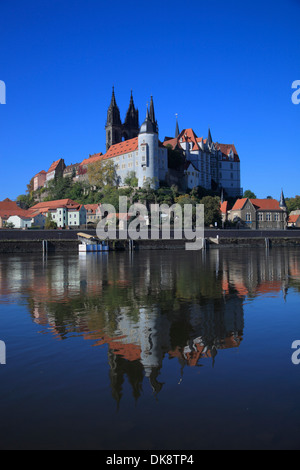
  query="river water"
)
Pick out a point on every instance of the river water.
point(151, 350)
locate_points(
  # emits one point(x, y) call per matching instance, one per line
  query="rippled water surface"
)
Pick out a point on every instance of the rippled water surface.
point(151, 350)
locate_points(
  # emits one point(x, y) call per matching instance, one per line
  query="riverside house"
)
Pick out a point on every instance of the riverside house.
point(65, 212)
point(260, 214)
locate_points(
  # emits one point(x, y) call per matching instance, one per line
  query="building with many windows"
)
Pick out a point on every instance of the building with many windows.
point(65, 212)
point(260, 214)
point(208, 164)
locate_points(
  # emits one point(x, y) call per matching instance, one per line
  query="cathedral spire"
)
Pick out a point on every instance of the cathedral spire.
point(113, 125)
point(152, 114)
point(177, 127)
point(132, 117)
point(113, 113)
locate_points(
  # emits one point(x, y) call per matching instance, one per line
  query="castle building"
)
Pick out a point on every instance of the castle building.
point(208, 164)
point(133, 149)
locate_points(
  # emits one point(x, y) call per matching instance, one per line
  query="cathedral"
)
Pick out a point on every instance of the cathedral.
point(116, 132)
point(136, 149)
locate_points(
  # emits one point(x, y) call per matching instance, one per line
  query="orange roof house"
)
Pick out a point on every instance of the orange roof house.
point(294, 220)
point(260, 213)
point(56, 169)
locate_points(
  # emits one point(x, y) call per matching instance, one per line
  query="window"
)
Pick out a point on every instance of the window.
point(268, 217)
point(248, 217)
point(276, 217)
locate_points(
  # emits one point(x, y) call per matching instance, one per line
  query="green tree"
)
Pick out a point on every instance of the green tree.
point(131, 180)
point(26, 201)
point(249, 194)
point(293, 204)
point(49, 223)
point(212, 211)
point(9, 225)
point(102, 173)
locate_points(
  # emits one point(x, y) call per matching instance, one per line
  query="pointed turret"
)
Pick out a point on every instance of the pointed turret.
point(113, 112)
point(152, 114)
point(177, 127)
point(209, 138)
point(282, 202)
point(222, 196)
point(149, 125)
point(113, 125)
point(131, 124)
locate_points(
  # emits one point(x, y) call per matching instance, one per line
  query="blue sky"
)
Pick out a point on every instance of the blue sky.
point(228, 65)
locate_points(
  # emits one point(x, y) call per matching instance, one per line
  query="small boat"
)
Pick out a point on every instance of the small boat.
point(90, 243)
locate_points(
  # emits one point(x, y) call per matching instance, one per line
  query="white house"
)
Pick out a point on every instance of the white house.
point(20, 221)
point(64, 212)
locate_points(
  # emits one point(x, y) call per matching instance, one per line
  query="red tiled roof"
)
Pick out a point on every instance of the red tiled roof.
point(40, 173)
point(115, 150)
point(239, 204)
point(224, 207)
point(9, 208)
point(171, 142)
point(54, 166)
point(5, 214)
point(293, 219)
point(261, 204)
point(225, 149)
point(266, 204)
point(92, 208)
point(45, 206)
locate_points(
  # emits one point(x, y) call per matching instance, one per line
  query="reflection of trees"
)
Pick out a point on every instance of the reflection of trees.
point(149, 305)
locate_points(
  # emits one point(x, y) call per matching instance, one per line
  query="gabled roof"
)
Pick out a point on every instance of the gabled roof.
point(188, 135)
point(224, 207)
point(293, 219)
point(53, 205)
point(92, 208)
point(188, 163)
point(266, 204)
point(54, 165)
point(239, 204)
point(259, 204)
point(40, 173)
point(225, 149)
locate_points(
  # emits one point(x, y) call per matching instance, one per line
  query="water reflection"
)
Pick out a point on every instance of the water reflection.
point(145, 307)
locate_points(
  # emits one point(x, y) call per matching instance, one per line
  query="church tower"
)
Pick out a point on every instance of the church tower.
point(113, 125)
point(131, 124)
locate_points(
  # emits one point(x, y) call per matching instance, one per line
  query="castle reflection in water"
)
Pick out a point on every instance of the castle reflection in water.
point(148, 306)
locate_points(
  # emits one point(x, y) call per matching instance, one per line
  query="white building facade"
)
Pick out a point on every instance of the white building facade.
point(143, 155)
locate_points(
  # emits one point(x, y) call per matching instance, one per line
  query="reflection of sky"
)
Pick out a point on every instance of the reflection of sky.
point(130, 327)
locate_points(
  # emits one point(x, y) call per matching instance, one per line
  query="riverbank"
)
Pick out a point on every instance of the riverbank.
point(71, 246)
